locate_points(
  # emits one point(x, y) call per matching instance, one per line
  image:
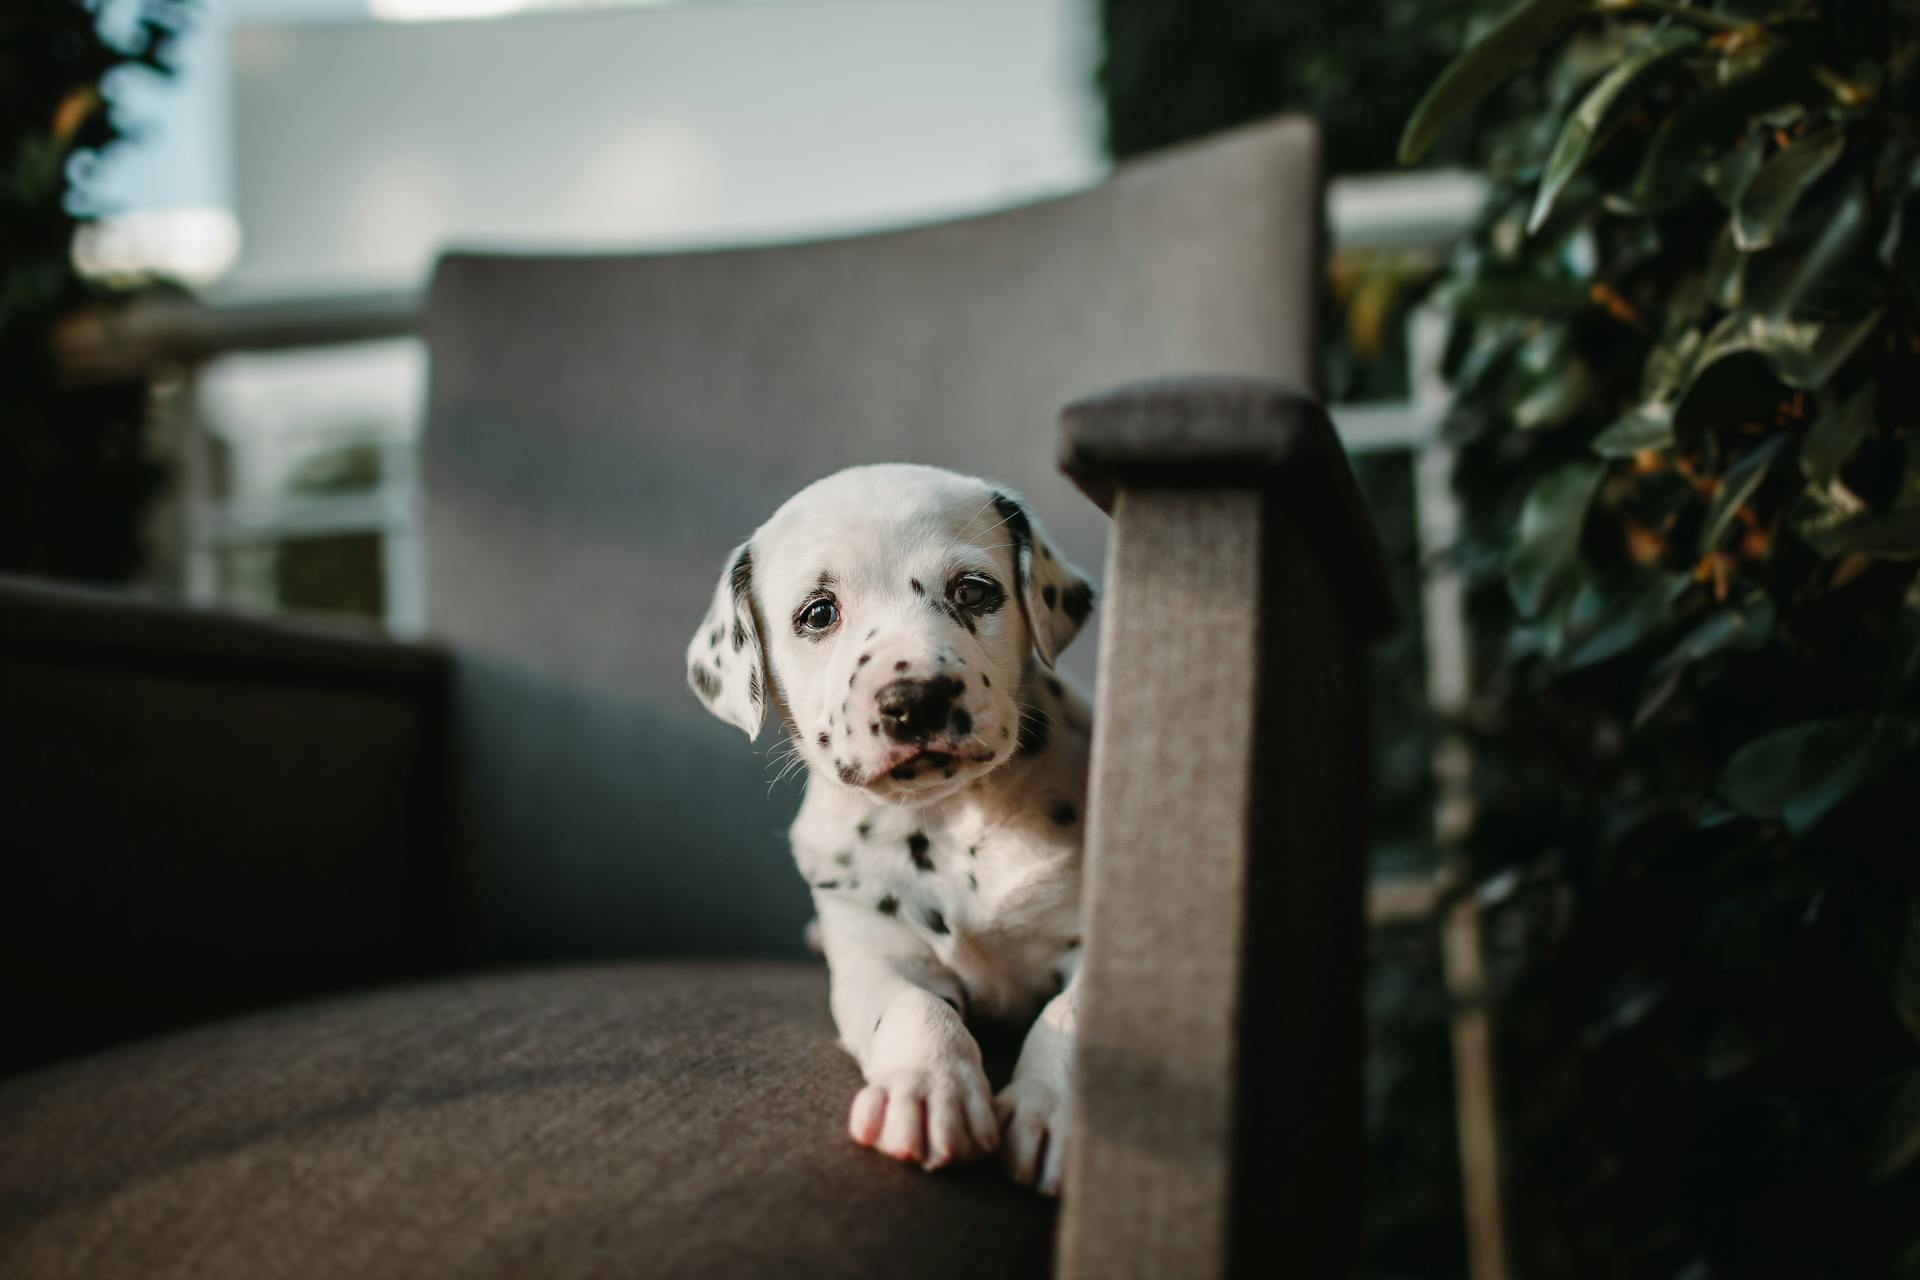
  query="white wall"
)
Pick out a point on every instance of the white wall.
point(352, 150)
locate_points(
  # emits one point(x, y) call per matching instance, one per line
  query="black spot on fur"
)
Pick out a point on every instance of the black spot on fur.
point(917, 588)
point(901, 665)
point(972, 883)
point(864, 827)
point(823, 740)
point(973, 851)
point(887, 906)
point(903, 771)
point(825, 582)
point(1053, 687)
point(1062, 813)
point(826, 884)
point(1073, 944)
point(871, 634)
point(1014, 517)
point(1078, 602)
point(986, 680)
point(1033, 732)
point(844, 858)
point(917, 850)
point(753, 686)
point(1051, 596)
point(713, 638)
point(936, 921)
point(849, 774)
point(739, 635)
point(873, 727)
point(865, 658)
point(705, 683)
point(740, 576)
point(962, 722)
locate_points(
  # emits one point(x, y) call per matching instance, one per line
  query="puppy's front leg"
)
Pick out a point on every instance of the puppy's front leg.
point(898, 1011)
point(1033, 1107)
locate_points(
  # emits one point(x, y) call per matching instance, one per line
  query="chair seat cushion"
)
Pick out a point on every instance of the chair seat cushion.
point(636, 1120)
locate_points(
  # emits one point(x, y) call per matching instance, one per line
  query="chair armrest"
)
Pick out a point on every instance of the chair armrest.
point(205, 813)
point(1220, 1128)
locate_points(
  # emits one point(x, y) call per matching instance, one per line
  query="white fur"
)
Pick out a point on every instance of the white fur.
point(945, 869)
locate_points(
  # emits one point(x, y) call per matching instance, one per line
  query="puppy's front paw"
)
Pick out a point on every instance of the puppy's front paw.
point(932, 1116)
point(1033, 1131)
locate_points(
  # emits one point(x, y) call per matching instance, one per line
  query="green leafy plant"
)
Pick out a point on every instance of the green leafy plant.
point(74, 473)
point(1686, 356)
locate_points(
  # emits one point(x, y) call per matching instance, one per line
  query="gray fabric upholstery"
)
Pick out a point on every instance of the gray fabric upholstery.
point(622, 1121)
point(603, 430)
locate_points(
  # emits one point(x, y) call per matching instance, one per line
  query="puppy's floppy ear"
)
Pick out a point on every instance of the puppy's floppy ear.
point(1055, 597)
point(726, 667)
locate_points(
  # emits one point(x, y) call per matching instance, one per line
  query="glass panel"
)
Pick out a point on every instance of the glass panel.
point(340, 574)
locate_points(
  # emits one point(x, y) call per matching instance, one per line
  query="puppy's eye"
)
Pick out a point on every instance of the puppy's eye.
point(973, 592)
point(819, 615)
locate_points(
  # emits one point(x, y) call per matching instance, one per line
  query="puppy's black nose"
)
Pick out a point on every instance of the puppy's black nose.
point(911, 709)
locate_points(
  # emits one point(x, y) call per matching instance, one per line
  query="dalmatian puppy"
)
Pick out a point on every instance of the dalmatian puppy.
point(901, 622)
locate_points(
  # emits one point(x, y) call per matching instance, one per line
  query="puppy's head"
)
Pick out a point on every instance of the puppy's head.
point(890, 613)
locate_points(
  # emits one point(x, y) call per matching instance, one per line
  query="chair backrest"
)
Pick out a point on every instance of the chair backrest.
point(603, 430)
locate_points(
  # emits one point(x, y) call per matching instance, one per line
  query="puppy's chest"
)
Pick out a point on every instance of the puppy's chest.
point(998, 903)
point(963, 876)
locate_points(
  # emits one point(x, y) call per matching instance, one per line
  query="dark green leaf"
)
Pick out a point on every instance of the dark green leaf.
point(1548, 543)
point(1798, 774)
point(1728, 172)
point(1762, 774)
point(1804, 353)
point(1509, 45)
point(1761, 210)
point(1726, 271)
point(1648, 427)
point(1741, 387)
point(1891, 535)
point(1906, 973)
point(1836, 432)
point(1744, 623)
point(1667, 365)
point(1910, 248)
point(1616, 90)
point(1606, 619)
point(1895, 1140)
point(1559, 393)
point(1904, 659)
point(1713, 119)
point(1781, 281)
point(1736, 486)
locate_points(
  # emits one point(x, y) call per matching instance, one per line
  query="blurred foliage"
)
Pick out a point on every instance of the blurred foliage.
point(1685, 359)
point(1176, 69)
point(74, 475)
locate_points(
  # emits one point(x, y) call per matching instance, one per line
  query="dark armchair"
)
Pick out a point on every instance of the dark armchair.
point(211, 816)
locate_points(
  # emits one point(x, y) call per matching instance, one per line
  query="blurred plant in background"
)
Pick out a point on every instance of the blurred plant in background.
point(1686, 359)
point(74, 472)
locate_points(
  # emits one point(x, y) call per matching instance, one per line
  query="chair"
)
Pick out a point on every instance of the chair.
point(225, 815)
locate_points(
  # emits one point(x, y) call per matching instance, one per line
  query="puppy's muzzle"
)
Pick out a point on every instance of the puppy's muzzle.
point(911, 709)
